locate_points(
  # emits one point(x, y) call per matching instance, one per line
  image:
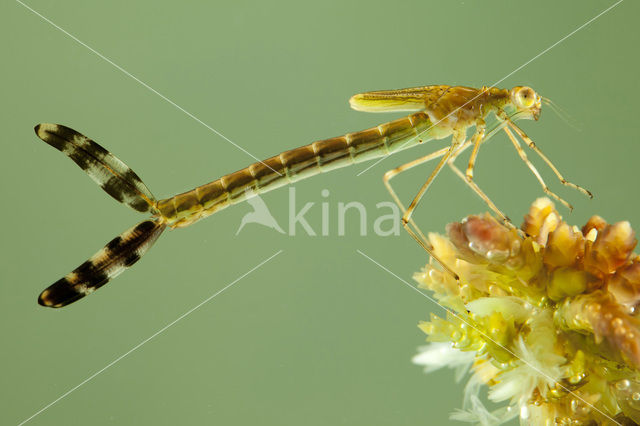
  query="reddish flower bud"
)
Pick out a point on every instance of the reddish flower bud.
point(483, 237)
point(610, 250)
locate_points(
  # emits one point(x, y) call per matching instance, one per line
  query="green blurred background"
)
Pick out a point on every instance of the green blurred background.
point(319, 335)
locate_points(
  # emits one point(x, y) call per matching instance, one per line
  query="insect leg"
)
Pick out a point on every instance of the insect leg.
point(533, 169)
point(534, 147)
point(478, 138)
point(417, 235)
point(458, 139)
point(474, 186)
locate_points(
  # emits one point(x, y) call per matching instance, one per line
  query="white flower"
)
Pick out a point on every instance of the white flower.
point(478, 414)
point(474, 411)
point(437, 355)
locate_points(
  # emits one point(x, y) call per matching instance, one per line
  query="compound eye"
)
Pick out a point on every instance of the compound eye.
point(526, 97)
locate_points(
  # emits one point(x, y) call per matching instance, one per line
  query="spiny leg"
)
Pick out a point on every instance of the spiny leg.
point(417, 235)
point(534, 147)
point(533, 169)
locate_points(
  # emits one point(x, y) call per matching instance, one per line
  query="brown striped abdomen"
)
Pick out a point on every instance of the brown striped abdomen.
point(296, 164)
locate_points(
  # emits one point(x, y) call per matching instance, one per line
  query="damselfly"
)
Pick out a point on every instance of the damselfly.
point(438, 112)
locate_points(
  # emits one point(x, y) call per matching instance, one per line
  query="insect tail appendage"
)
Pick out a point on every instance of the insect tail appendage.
point(123, 184)
point(119, 254)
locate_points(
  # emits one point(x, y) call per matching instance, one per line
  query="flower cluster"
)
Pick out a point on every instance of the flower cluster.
point(548, 317)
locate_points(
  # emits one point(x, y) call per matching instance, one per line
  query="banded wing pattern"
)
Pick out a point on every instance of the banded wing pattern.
point(123, 184)
point(115, 177)
point(120, 253)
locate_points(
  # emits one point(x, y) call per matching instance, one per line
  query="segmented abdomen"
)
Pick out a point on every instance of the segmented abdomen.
point(296, 164)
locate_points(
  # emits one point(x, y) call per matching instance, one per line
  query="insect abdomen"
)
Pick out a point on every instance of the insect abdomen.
point(296, 164)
